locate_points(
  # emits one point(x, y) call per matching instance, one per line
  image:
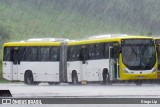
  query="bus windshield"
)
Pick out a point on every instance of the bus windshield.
point(138, 54)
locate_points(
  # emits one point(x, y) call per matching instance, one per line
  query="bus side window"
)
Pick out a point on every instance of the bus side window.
point(106, 50)
point(69, 54)
point(31, 54)
point(100, 51)
point(84, 53)
point(78, 53)
point(7, 54)
point(112, 52)
point(15, 57)
point(43, 54)
point(92, 51)
point(28, 54)
point(115, 51)
point(54, 53)
point(73, 53)
point(34, 54)
point(22, 54)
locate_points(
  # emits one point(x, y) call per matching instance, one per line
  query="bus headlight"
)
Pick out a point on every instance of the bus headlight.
point(125, 70)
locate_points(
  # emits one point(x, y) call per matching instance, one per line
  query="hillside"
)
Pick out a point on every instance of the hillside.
point(78, 18)
point(142, 15)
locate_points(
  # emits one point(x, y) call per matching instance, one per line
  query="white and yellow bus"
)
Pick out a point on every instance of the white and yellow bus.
point(97, 59)
point(108, 58)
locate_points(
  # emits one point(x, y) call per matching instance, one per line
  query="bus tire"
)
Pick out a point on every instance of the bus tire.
point(28, 78)
point(74, 78)
point(106, 78)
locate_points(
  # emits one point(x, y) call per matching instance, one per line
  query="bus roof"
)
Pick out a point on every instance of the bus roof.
point(107, 39)
point(32, 44)
point(93, 39)
point(38, 42)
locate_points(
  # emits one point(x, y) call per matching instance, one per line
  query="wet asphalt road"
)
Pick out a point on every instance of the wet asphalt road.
point(44, 90)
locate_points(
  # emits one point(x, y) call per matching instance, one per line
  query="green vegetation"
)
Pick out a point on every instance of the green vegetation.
point(4, 81)
point(78, 18)
point(75, 19)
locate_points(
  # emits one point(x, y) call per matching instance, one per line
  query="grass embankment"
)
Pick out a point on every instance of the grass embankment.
point(28, 19)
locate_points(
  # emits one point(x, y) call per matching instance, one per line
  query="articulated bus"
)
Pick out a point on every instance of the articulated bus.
point(96, 59)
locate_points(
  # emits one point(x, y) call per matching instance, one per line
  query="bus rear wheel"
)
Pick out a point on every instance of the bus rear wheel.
point(28, 78)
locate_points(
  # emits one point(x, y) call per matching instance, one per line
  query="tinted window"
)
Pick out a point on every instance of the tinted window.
point(43, 54)
point(84, 53)
point(22, 53)
point(31, 53)
point(15, 56)
point(54, 53)
point(92, 51)
point(99, 51)
point(96, 51)
point(73, 53)
point(7, 54)
point(114, 51)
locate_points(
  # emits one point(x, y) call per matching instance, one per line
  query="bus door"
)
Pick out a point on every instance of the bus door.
point(15, 63)
point(113, 63)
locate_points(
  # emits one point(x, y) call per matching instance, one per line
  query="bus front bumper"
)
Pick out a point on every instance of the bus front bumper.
point(150, 76)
